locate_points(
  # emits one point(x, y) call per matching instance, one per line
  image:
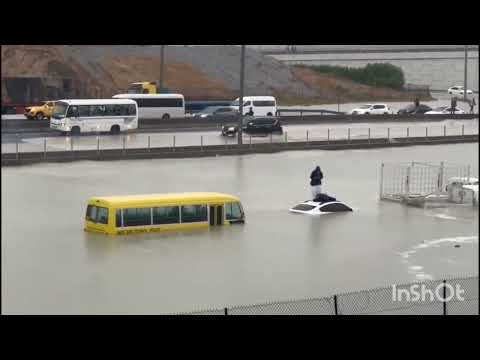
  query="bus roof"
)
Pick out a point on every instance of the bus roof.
point(260, 98)
point(97, 101)
point(147, 96)
point(163, 198)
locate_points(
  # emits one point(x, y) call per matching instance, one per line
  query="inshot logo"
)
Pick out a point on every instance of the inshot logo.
point(444, 292)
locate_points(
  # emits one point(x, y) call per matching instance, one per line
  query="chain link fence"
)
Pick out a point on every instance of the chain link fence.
point(420, 298)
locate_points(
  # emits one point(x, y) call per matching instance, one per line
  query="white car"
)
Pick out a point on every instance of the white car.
point(458, 90)
point(371, 109)
point(444, 110)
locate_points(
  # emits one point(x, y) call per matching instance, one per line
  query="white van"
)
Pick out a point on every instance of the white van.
point(261, 105)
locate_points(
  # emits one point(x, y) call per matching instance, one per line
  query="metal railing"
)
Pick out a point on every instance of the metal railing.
point(436, 297)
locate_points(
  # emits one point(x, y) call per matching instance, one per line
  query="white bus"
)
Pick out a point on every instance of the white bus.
point(261, 105)
point(94, 115)
point(157, 106)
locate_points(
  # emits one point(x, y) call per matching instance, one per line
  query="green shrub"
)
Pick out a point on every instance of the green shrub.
point(373, 74)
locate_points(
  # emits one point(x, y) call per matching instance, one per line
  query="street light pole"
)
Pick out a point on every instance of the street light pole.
point(160, 85)
point(465, 75)
point(240, 104)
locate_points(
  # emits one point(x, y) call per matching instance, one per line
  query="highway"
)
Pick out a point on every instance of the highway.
point(292, 133)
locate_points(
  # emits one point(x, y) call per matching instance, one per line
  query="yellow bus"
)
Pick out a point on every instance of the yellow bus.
point(122, 215)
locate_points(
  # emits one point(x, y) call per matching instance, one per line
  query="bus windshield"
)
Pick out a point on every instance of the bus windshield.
point(60, 110)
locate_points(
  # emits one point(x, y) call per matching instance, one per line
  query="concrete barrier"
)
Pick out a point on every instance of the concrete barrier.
point(13, 159)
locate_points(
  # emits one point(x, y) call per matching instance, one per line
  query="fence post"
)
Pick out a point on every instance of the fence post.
point(426, 132)
point(123, 150)
point(148, 143)
point(468, 173)
point(201, 142)
point(250, 141)
point(71, 144)
point(328, 136)
point(381, 180)
point(444, 297)
point(369, 135)
point(271, 139)
point(173, 143)
point(307, 136)
point(16, 147)
point(349, 135)
point(408, 132)
point(225, 311)
point(335, 304)
point(444, 130)
point(286, 137)
point(98, 145)
point(407, 181)
point(44, 148)
point(440, 177)
point(388, 134)
point(463, 129)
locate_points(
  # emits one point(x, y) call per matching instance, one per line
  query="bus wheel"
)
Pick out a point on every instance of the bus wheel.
point(165, 117)
point(115, 130)
point(75, 131)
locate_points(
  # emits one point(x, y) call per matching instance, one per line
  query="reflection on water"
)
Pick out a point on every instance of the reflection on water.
point(52, 266)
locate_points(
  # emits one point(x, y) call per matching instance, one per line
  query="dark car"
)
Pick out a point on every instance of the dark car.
point(255, 126)
point(412, 109)
point(217, 111)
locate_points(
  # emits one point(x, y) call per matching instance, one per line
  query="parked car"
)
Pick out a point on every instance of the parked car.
point(412, 109)
point(444, 110)
point(254, 126)
point(371, 109)
point(40, 112)
point(217, 111)
point(458, 90)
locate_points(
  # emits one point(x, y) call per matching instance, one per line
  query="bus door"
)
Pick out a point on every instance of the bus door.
point(216, 215)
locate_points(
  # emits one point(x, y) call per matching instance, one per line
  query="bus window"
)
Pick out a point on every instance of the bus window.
point(166, 215)
point(91, 213)
point(194, 213)
point(72, 111)
point(233, 211)
point(83, 110)
point(102, 215)
point(136, 217)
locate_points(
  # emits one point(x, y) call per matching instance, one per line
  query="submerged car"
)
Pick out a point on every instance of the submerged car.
point(371, 109)
point(412, 109)
point(254, 126)
point(444, 110)
point(322, 204)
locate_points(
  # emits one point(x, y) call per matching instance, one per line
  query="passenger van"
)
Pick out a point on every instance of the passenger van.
point(122, 215)
point(94, 115)
point(157, 106)
point(261, 105)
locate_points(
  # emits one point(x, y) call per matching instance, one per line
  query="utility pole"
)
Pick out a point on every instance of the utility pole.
point(160, 85)
point(465, 74)
point(240, 103)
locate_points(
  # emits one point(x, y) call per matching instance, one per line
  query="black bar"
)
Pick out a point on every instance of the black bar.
point(225, 311)
point(444, 297)
point(335, 304)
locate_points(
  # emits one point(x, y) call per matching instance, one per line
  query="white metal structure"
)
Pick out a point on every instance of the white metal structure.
point(444, 110)
point(463, 190)
point(416, 182)
point(458, 90)
point(372, 109)
point(157, 106)
point(317, 208)
point(94, 115)
point(260, 105)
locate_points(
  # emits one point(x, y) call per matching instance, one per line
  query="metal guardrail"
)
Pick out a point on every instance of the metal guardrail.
point(441, 298)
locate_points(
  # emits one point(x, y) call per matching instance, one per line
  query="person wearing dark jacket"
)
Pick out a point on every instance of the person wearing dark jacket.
point(316, 181)
point(250, 112)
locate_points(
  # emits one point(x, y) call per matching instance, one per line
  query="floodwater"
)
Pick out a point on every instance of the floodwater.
point(51, 266)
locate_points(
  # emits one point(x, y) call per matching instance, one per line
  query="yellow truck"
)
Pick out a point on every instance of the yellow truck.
point(144, 87)
point(40, 112)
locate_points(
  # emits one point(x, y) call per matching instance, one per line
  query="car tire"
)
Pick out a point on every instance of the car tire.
point(75, 131)
point(367, 113)
point(115, 130)
point(269, 114)
point(165, 117)
point(39, 116)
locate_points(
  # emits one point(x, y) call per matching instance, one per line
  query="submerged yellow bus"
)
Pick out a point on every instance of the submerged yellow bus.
point(121, 215)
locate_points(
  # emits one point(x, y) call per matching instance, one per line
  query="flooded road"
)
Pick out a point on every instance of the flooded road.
point(51, 266)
